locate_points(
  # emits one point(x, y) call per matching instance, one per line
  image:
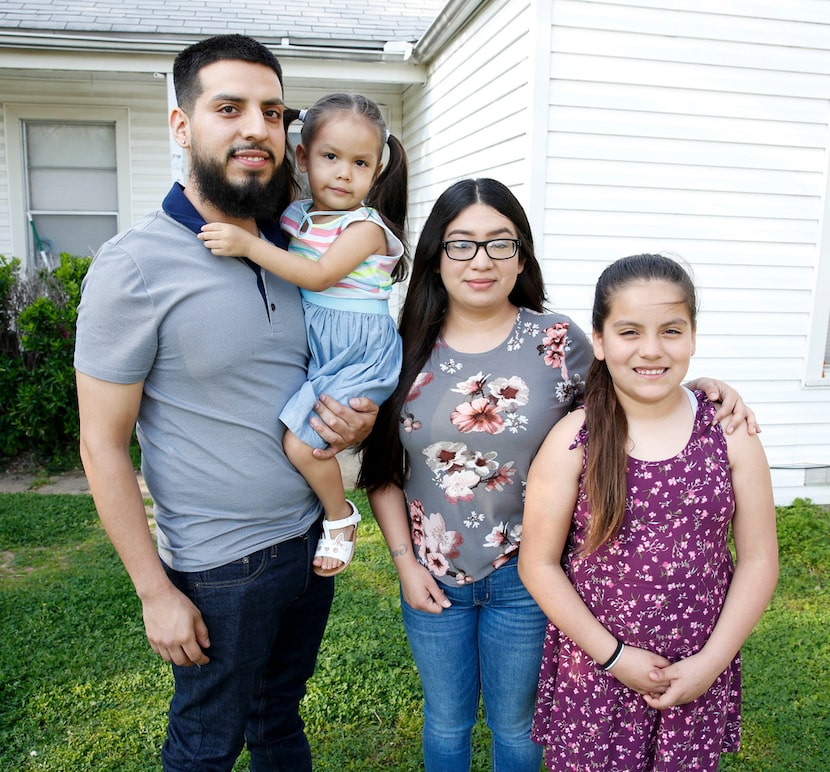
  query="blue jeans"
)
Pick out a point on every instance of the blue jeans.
point(265, 615)
point(488, 642)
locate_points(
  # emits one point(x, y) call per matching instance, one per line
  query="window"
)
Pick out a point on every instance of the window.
point(69, 183)
point(71, 186)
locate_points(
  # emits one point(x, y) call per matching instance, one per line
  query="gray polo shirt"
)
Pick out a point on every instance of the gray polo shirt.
point(220, 348)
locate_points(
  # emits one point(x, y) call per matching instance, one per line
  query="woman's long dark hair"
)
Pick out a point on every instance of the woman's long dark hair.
point(606, 484)
point(425, 309)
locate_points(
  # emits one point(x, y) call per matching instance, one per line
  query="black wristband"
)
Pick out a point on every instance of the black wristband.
point(615, 656)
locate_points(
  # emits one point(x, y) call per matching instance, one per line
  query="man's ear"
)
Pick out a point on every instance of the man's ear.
point(180, 127)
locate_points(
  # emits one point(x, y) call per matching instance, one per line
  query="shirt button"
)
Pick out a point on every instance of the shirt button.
point(273, 307)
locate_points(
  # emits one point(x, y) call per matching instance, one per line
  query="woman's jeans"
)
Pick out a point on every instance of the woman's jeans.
point(265, 614)
point(489, 641)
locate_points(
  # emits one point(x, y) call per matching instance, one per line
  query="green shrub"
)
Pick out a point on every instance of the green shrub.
point(38, 401)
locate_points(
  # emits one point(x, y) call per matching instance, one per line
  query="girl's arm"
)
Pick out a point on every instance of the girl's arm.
point(357, 242)
point(756, 574)
point(552, 488)
point(420, 590)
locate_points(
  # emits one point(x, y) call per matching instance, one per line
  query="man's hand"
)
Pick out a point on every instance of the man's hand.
point(175, 628)
point(342, 425)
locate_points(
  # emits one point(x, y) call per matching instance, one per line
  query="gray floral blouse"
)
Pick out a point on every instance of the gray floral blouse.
point(471, 426)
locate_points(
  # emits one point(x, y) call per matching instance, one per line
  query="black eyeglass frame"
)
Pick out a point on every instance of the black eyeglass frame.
point(479, 244)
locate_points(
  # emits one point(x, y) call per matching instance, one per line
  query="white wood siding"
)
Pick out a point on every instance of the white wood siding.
point(470, 118)
point(145, 99)
point(701, 130)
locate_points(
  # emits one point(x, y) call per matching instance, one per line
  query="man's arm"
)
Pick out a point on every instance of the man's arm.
point(108, 413)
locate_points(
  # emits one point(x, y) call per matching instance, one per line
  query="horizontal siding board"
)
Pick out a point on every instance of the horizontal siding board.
point(728, 253)
point(655, 225)
point(600, 147)
point(687, 101)
point(721, 179)
point(771, 22)
point(686, 48)
point(726, 79)
point(668, 200)
point(774, 131)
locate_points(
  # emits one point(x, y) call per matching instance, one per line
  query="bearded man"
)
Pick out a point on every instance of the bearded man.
point(199, 354)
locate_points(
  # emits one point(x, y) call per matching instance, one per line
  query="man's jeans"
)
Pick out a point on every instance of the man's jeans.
point(265, 614)
point(490, 641)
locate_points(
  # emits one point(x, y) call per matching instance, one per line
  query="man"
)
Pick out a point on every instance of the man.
point(200, 353)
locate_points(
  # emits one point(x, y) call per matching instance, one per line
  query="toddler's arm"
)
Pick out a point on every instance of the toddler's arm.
point(357, 242)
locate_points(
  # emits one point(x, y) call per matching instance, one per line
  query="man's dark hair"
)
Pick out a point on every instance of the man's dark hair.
point(189, 63)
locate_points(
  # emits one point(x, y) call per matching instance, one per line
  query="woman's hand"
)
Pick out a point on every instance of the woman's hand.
point(732, 405)
point(420, 590)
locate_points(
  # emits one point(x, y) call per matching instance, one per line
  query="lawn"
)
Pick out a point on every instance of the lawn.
point(81, 690)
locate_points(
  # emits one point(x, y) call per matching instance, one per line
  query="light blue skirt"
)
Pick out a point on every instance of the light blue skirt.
point(353, 354)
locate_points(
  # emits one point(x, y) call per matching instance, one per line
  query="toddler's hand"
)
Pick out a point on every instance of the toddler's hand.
point(225, 240)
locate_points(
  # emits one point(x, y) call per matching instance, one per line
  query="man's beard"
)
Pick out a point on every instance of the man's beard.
point(250, 198)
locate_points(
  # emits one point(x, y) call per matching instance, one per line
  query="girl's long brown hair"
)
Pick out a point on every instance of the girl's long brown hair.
point(606, 478)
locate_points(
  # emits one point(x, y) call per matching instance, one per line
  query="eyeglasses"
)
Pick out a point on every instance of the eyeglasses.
point(496, 249)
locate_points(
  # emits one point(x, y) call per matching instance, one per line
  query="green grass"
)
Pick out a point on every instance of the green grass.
point(81, 690)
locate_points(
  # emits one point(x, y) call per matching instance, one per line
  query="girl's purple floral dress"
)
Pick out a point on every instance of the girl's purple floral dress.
point(659, 585)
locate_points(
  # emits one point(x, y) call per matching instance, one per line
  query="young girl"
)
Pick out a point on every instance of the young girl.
point(346, 250)
point(625, 545)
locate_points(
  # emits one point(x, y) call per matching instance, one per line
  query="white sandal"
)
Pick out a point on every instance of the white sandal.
point(338, 547)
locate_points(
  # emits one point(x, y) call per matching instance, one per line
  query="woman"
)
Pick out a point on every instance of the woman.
point(486, 374)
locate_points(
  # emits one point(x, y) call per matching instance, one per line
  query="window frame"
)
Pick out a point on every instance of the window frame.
point(15, 117)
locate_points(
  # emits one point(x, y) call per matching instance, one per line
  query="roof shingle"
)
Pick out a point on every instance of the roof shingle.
point(327, 22)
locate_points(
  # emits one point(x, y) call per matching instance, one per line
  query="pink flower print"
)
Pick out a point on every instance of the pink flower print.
point(416, 519)
point(554, 345)
point(437, 564)
point(501, 478)
point(421, 380)
point(445, 456)
point(416, 511)
point(458, 486)
point(438, 538)
point(410, 423)
point(483, 464)
point(509, 393)
point(497, 536)
point(473, 385)
point(480, 415)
